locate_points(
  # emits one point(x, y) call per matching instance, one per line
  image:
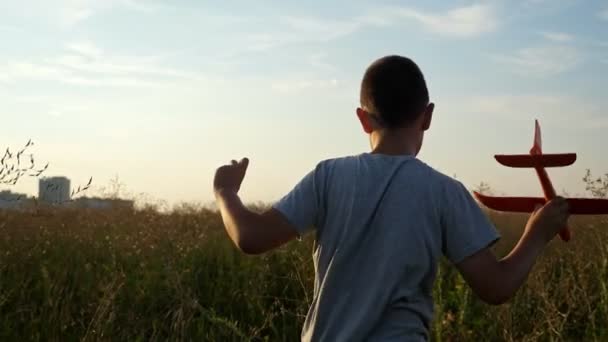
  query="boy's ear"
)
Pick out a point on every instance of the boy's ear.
point(428, 116)
point(366, 122)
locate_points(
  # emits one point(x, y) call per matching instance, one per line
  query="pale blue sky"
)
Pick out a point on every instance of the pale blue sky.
point(161, 93)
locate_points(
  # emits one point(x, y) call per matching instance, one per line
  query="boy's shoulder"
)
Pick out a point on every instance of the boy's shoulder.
point(439, 176)
point(431, 174)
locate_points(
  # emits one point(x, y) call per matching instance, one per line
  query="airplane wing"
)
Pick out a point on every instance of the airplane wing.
point(510, 204)
point(537, 160)
point(588, 206)
point(578, 206)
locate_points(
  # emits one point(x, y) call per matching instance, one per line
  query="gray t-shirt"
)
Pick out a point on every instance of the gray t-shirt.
point(374, 277)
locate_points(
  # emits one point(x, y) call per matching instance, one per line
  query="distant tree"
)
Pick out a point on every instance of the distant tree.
point(597, 187)
point(116, 189)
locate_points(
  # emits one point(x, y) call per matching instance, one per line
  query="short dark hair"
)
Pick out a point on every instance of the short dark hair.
point(394, 88)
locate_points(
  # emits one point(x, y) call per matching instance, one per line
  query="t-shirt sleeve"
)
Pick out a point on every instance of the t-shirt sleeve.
point(303, 206)
point(466, 228)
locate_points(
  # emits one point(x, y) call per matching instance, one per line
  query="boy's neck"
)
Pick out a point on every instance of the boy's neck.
point(398, 142)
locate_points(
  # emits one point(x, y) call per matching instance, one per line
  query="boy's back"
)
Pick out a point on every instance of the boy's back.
point(382, 223)
point(383, 219)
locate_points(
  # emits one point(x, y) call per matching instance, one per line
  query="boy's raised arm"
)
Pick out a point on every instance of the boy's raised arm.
point(251, 232)
point(496, 281)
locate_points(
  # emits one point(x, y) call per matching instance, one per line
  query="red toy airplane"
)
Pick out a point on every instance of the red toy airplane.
point(539, 161)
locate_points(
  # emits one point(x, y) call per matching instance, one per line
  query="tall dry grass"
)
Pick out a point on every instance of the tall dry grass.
point(87, 275)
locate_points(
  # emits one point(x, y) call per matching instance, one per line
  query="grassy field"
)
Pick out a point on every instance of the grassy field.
point(145, 276)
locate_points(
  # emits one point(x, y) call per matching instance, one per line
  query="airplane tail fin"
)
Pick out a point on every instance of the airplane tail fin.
point(537, 147)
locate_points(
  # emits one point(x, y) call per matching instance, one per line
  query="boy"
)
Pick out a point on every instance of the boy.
point(383, 220)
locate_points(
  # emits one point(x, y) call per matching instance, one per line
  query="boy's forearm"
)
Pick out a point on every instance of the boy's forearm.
point(253, 233)
point(496, 281)
point(513, 270)
point(234, 214)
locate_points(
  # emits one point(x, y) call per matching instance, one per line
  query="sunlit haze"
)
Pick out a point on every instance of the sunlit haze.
point(162, 93)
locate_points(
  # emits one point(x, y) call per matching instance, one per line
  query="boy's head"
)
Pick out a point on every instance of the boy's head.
point(394, 95)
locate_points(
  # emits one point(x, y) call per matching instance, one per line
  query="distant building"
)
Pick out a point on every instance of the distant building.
point(54, 190)
point(11, 200)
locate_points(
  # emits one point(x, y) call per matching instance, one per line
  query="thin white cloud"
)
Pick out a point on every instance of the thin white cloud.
point(460, 22)
point(15, 71)
point(143, 6)
point(317, 60)
point(511, 104)
point(31, 71)
point(69, 13)
point(297, 30)
point(542, 61)
point(559, 37)
point(290, 86)
point(545, 107)
point(321, 28)
point(86, 49)
point(376, 18)
point(86, 64)
point(70, 16)
point(603, 14)
point(463, 22)
point(548, 6)
point(87, 57)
